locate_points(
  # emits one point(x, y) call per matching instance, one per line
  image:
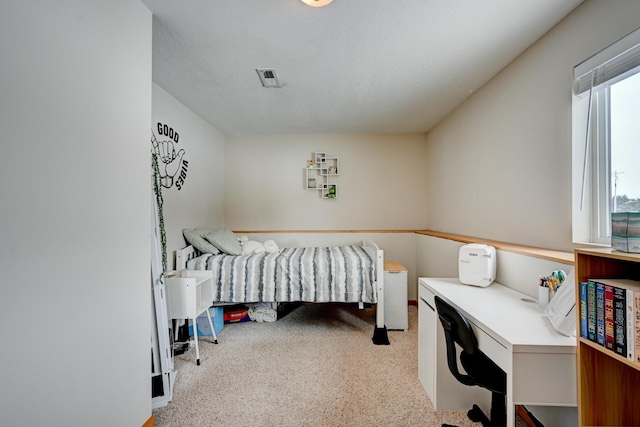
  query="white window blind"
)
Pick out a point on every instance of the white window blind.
point(590, 167)
point(608, 65)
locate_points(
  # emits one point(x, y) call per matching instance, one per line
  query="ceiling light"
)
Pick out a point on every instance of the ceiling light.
point(316, 3)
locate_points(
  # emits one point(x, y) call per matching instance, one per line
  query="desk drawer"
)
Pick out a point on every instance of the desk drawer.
point(427, 296)
point(492, 348)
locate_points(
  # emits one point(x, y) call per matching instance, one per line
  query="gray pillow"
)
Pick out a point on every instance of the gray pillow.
point(225, 240)
point(195, 237)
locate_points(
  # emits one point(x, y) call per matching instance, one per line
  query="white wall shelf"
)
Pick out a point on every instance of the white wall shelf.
point(317, 175)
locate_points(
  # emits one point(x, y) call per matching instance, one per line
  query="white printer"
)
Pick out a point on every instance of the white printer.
point(477, 264)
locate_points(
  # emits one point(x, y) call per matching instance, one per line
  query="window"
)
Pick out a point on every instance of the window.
point(615, 183)
point(606, 142)
point(625, 144)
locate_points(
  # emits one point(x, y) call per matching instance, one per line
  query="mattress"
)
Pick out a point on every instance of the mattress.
point(315, 274)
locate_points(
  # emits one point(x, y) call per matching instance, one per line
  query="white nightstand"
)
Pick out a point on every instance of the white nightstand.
point(395, 296)
point(189, 295)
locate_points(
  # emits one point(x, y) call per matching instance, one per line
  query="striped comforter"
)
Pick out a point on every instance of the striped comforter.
point(327, 274)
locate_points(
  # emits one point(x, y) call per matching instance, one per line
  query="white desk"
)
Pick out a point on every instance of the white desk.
point(513, 331)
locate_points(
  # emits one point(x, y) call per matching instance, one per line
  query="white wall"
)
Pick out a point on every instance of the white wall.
point(381, 183)
point(499, 167)
point(198, 201)
point(75, 110)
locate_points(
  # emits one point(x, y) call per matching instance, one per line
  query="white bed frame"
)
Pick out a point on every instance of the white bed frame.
point(380, 333)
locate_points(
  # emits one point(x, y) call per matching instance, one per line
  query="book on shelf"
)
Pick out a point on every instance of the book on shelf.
point(619, 320)
point(631, 325)
point(617, 300)
point(591, 310)
point(584, 329)
point(608, 316)
point(600, 334)
point(636, 325)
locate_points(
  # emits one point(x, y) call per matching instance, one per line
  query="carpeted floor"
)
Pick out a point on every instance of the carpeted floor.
point(317, 366)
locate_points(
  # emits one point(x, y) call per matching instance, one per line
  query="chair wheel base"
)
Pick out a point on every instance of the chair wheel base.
point(475, 414)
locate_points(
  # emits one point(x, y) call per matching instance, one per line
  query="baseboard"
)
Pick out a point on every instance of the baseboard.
point(150, 422)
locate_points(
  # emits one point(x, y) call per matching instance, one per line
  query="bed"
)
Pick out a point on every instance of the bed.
point(345, 274)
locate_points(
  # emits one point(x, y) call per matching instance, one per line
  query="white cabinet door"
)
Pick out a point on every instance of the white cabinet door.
point(426, 347)
point(395, 300)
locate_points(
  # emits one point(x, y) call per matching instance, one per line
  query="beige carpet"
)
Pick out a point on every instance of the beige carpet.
point(317, 366)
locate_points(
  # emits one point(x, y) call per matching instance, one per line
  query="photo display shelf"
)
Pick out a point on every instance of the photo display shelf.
point(318, 173)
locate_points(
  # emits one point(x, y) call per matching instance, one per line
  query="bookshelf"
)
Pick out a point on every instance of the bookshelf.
point(607, 382)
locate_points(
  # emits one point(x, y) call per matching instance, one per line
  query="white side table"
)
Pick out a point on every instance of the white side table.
point(395, 296)
point(189, 295)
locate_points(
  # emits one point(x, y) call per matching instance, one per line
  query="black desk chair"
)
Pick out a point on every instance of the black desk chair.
point(481, 370)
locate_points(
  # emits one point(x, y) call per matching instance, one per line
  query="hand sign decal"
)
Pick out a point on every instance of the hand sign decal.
point(172, 160)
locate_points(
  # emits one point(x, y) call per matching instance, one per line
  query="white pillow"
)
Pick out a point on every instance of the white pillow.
point(225, 240)
point(195, 237)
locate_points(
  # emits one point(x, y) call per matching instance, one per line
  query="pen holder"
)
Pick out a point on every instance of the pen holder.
point(543, 296)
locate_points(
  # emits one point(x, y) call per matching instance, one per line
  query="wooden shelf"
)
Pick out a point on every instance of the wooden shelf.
point(610, 353)
point(607, 382)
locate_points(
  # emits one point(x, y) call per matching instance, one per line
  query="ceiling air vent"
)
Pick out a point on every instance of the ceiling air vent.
point(268, 77)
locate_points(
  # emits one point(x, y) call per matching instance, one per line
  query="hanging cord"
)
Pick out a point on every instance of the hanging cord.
point(586, 142)
point(157, 189)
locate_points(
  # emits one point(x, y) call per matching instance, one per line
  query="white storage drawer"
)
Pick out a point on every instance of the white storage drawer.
point(189, 293)
point(396, 301)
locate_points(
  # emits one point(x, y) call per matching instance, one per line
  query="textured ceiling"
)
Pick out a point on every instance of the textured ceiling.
point(354, 66)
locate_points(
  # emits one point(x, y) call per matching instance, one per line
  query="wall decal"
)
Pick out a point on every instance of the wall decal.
point(173, 164)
